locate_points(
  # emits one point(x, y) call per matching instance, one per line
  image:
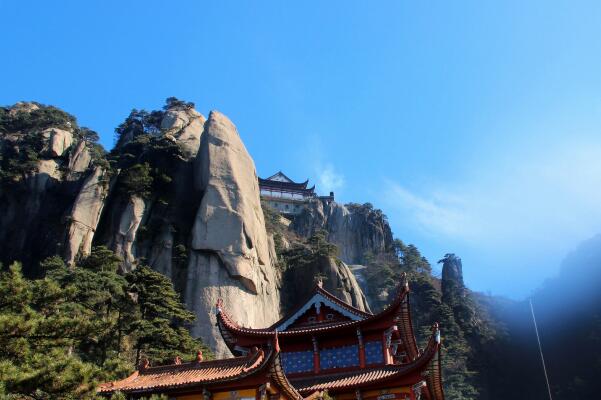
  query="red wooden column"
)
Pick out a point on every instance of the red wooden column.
point(315, 355)
point(361, 349)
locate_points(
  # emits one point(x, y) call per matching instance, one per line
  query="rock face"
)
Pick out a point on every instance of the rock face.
point(191, 210)
point(186, 126)
point(355, 229)
point(85, 215)
point(230, 220)
point(205, 229)
point(337, 279)
point(230, 248)
point(59, 140)
point(452, 270)
point(52, 196)
point(122, 242)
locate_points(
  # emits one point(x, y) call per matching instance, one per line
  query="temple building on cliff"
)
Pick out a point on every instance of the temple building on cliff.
point(324, 345)
point(286, 196)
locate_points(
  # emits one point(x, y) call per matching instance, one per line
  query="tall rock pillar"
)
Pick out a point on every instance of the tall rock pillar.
point(230, 255)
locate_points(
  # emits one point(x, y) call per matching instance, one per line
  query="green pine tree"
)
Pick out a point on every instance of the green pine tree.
point(160, 332)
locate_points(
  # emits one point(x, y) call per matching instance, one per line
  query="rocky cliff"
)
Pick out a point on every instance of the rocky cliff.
point(355, 229)
point(178, 192)
point(53, 185)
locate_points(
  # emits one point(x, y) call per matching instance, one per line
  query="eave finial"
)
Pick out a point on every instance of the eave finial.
point(436, 332)
point(276, 342)
point(144, 363)
point(218, 306)
point(404, 281)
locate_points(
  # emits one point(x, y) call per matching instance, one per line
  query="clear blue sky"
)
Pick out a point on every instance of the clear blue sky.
point(475, 126)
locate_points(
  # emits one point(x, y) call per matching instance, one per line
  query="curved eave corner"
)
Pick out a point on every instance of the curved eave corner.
point(276, 371)
point(434, 377)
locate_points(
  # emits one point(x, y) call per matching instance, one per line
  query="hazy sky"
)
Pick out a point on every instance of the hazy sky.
point(475, 126)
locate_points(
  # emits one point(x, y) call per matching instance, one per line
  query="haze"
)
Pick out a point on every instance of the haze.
point(475, 127)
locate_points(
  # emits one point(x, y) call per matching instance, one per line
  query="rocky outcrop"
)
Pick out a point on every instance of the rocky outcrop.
point(205, 229)
point(58, 141)
point(230, 255)
point(185, 125)
point(452, 270)
point(122, 241)
point(191, 210)
point(85, 215)
point(79, 159)
point(355, 229)
point(48, 189)
point(336, 276)
point(230, 220)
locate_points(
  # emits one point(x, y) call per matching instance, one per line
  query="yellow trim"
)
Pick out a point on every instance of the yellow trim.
point(374, 393)
point(235, 394)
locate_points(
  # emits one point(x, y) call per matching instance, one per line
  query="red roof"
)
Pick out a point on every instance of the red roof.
point(226, 323)
point(371, 376)
point(187, 374)
point(194, 374)
point(286, 184)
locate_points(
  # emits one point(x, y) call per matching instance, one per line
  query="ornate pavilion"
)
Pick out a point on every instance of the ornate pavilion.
point(285, 195)
point(322, 345)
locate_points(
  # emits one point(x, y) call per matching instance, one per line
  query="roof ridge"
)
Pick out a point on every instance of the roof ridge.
point(343, 303)
point(240, 360)
point(403, 290)
point(247, 365)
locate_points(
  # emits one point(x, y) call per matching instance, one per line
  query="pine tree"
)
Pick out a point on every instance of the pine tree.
point(161, 330)
point(37, 339)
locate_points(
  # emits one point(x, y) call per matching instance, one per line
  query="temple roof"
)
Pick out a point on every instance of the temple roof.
point(193, 374)
point(282, 182)
point(321, 296)
point(397, 311)
point(371, 376)
point(186, 374)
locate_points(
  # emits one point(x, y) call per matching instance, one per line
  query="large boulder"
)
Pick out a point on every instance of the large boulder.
point(58, 141)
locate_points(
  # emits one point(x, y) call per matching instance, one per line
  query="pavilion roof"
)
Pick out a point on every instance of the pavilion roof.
point(187, 374)
point(282, 182)
point(376, 375)
point(316, 294)
point(398, 309)
point(192, 374)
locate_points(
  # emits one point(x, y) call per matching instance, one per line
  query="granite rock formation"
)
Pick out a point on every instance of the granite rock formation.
point(355, 229)
point(178, 192)
point(336, 277)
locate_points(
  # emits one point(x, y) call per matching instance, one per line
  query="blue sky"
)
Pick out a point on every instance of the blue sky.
point(475, 126)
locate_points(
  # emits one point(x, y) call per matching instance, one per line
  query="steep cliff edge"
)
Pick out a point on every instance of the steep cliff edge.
point(357, 230)
point(53, 183)
point(303, 260)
